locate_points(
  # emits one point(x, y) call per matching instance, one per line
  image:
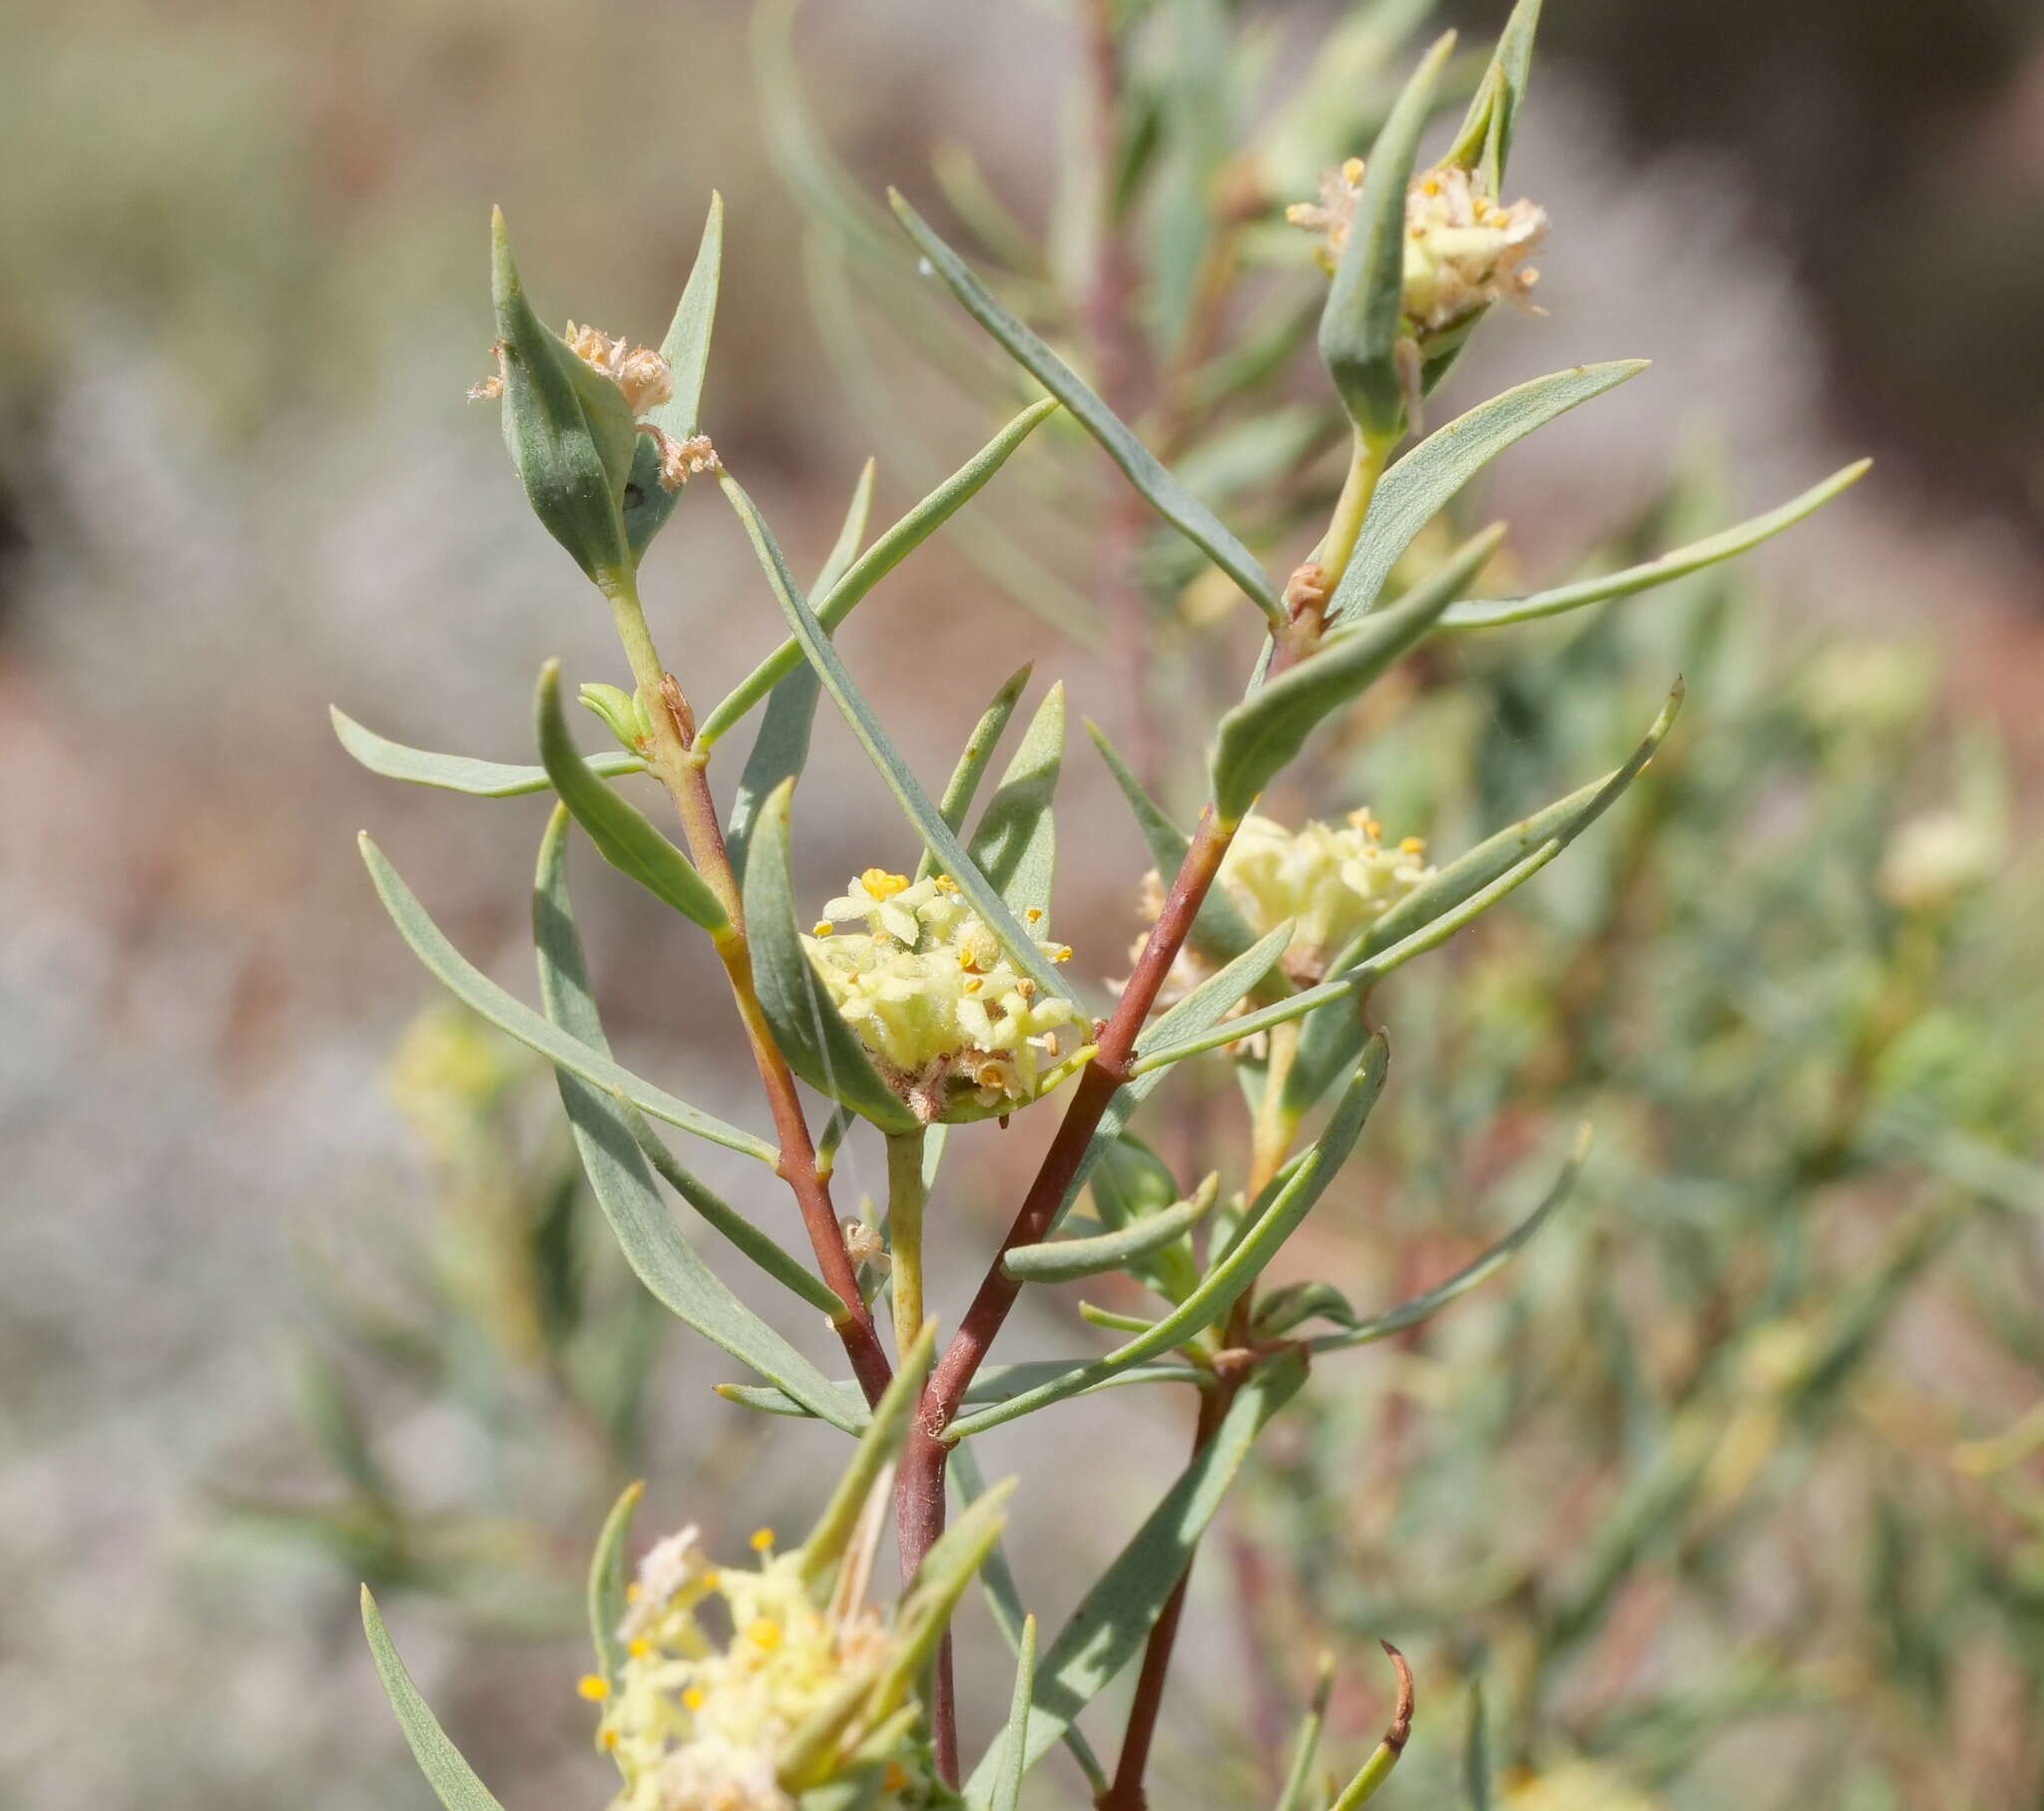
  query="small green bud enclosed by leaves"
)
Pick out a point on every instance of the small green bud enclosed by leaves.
point(624, 712)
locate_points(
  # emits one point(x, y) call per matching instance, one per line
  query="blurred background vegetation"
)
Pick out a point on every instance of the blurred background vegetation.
point(1730, 1490)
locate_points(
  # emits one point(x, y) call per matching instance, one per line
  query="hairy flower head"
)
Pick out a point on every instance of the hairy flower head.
point(937, 1002)
point(721, 1712)
point(1463, 250)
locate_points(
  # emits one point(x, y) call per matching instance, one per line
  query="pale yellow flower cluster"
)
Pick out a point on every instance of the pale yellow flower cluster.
point(645, 381)
point(1333, 881)
point(1463, 250)
point(934, 998)
point(703, 1723)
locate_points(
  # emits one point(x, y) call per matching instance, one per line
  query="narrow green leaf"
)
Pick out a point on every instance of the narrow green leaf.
point(1292, 1197)
point(937, 835)
point(1331, 1039)
point(876, 563)
point(1365, 316)
point(1262, 735)
point(1379, 1768)
point(1431, 1302)
point(1007, 1794)
point(1297, 1777)
point(649, 503)
point(563, 429)
point(1113, 1618)
point(820, 1047)
point(1164, 493)
point(783, 744)
point(947, 1569)
point(618, 1176)
point(1485, 137)
point(974, 760)
point(621, 832)
point(877, 1449)
point(1065, 1261)
point(1481, 613)
point(1220, 933)
point(1131, 1181)
point(1420, 485)
point(1015, 842)
point(785, 1269)
point(452, 1779)
point(458, 772)
point(992, 1383)
point(471, 985)
point(1004, 1599)
point(607, 1583)
point(1476, 1780)
point(330, 1416)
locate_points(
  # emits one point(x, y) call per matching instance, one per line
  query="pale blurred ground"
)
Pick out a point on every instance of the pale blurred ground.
point(245, 292)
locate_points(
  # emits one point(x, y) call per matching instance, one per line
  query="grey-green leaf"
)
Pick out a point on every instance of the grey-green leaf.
point(1485, 138)
point(937, 835)
point(1364, 319)
point(452, 1779)
point(1261, 735)
point(819, 1044)
point(1015, 842)
point(1677, 563)
point(470, 985)
point(974, 760)
point(1162, 492)
point(877, 1449)
point(649, 503)
point(621, 832)
point(618, 1176)
point(607, 1583)
point(1007, 1794)
point(1113, 1618)
point(1297, 1187)
point(1066, 1260)
point(457, 772)
point(1420, 485)
point(876, 563)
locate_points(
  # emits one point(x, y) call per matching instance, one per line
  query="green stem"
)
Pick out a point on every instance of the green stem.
point(906, 1197)
point(1351, 509)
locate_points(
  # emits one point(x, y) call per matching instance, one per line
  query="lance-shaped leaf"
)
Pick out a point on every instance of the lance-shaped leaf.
point(1131, 1181)
point(1485, 140)
point(1162, 492)
point(1016, 843)
point(473, 988)
point(569, 429)
point(1292, 1196)
point(1365, 316)
point(783, 744)
point(1424, 1306)
point(457, 772)
point(974, 760)
point(940, 1580)
point(1677, 563)
point(618, 1176)
point(1220, 933)
point(1004, 1599)
point(607, 1583)
point(877, 1449)
point(648, 502)
point(1066, 1260)
point(621, 832)
point(723, 1217)
point(1262, 735)
point(991, 1383)
point(1113, 1618)
point(1295, 1794)
point(937, 836)
point(1420, 485)
point(1331, 1039)
point(819, 1044)
point(1007, 1789)
point(452, 1779)
point(876, 563)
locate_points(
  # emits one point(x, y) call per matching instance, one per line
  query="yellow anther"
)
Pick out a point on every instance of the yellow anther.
point(632, 1592)
point(1063, 953)
point(712, 1579)
point(639, 1648)
point(606, 1738)
point(692, 1699)
point(1351, 171)
point(1033, 914)
point(822, 928)
point(895, 1778)
point(945, 884)
point(763, 1540)
point(594, 1687)
point(1412, 845)
point(1431, 186)
point(765, 1633)
point(879, 884)
point(973, 985)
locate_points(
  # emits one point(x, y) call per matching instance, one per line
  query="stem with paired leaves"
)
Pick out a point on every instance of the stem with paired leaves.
point(680, 766)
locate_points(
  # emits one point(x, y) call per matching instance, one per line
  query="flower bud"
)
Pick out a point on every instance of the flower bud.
point(622, 711)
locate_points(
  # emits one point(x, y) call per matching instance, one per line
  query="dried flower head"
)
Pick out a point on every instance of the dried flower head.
point(934, 998)
point(645, 381)
point(1463, 250)
point(705, 1720)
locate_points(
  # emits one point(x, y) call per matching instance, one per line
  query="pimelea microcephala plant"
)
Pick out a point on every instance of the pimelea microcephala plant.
point(933, 995)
